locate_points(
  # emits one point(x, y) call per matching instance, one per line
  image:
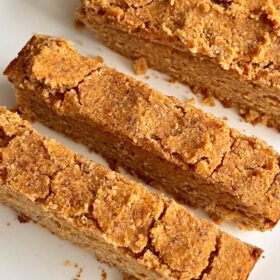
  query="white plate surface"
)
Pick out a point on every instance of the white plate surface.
point(29, 252)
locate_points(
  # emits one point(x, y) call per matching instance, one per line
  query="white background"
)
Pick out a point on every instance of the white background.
point(28, 252)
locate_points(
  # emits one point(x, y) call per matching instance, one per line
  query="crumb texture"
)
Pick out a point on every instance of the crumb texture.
point(44, 70)
point(226, 49)
point(242, 35)
point(230, 175)
point(200, 237)
point(120, 221)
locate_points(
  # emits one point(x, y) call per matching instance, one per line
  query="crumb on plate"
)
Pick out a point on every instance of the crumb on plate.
point(103, 274)
point(171, 80)
point(208, 100)
point(67, 263)
point(23, 219)
point(191, 101)
point(140, 66)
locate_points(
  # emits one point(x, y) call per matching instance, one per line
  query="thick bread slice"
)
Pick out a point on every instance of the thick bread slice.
point(122, 223)
point(229, 49)
point(192, 155)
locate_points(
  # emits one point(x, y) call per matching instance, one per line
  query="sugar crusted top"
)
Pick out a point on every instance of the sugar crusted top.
point(241, 35)
point(157, 232)
point(243, 166)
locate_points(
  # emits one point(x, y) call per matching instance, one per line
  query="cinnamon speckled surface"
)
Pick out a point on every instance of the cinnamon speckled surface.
point(28, 247)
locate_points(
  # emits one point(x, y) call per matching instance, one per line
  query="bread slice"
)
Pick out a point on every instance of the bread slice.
point(121, 222)
point(192, 155)
point(228, 49)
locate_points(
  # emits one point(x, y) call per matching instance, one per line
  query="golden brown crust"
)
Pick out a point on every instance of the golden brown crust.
point(219, 267)
point(208, 27)
point(43, 71)
point(105, 212)
point(155, 136)
point(228, 49)
point(199, 235)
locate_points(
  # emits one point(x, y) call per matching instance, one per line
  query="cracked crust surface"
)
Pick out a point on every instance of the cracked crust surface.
point(143, 234)
point(238, 33)
point(230, 175)
point(233, 45)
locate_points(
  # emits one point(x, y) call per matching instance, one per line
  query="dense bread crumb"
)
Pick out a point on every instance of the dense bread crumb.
point(230, 175)
point(230, 48)
point(140, 66)
point(240, 35)
point(120, 221)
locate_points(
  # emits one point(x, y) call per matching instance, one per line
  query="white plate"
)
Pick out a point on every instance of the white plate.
point(29, 252)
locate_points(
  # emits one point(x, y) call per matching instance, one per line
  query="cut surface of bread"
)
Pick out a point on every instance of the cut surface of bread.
point(228, 49)
point(190, 154)
point(121, 222)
